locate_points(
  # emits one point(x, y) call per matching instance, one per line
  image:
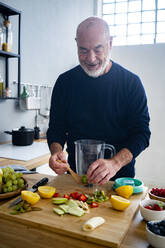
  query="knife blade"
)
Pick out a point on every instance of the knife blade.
point(34, 188)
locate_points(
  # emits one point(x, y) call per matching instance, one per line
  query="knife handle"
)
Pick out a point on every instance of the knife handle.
point(43, 181)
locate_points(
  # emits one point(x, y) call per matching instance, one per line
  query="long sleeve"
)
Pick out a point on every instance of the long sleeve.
point(137, 121)
point(57, 124)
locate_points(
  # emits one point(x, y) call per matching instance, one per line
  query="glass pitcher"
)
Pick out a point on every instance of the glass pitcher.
point(87, 151)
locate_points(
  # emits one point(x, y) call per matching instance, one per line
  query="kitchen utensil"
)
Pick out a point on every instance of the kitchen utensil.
point(88, 151)
point(75, 176)
point(22, 136)
point(34, 188)
point(138, 186)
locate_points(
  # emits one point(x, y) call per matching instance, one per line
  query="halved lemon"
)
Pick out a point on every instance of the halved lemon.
point(119, 203)
point(46, 191)
point(30, 197)
point(125, 191)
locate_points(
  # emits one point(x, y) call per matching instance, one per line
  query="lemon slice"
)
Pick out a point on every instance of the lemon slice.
point(125, 191)
point(119, 203)
point(46, 191)
point(30, 197)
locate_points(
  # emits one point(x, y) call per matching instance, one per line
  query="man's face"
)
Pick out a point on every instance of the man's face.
point(93, 51)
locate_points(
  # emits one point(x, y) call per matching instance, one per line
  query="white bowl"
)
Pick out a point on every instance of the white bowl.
point(150, 215)
point(155, 240)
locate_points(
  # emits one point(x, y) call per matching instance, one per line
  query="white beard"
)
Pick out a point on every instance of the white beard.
point(100, 71)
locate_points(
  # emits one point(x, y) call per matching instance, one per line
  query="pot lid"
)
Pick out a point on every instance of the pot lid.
point(23, 129)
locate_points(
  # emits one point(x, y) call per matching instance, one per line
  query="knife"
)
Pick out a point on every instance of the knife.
point(34, 188)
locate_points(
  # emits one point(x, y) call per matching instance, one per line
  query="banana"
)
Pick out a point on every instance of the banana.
point(92, 223)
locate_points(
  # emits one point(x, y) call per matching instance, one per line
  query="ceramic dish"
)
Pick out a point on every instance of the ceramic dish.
point(13, 193)
point(155, 240)
point(149, 214)
point(138, 186)
point(152, 196)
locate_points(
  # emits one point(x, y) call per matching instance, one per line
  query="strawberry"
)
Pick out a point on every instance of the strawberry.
point(157, 207)
point(94, 205)
point(66, 196)
point(75, 195)
point(149, 207)
point(82, 197)
point(56, 195)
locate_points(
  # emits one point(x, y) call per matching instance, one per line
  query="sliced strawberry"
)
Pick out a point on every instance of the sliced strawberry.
point(66, 196)
point(94, 205)
point(149, 207)
point(75, 195)
point(82, 197)
point(56, 195)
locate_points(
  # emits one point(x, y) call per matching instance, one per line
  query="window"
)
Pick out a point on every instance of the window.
point(135, 21)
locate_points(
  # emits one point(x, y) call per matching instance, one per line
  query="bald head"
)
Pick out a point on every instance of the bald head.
point(93, 23)
point(94, 46)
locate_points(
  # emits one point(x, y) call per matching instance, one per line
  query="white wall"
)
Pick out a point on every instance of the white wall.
point(148, 62)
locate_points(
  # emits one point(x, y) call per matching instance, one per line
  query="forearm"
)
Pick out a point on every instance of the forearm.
point(55, 147)
point(123, 157)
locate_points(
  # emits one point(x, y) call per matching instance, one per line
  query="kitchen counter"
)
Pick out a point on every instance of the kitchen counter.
point(30, 164)
point(17, 233)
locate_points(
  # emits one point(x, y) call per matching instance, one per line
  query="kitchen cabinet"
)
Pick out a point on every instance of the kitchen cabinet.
point(7, 11)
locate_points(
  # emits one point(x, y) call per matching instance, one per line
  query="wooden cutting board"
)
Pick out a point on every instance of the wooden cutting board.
point(110, 234)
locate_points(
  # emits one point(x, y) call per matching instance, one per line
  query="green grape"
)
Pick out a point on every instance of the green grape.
point(13, 177)
point(20, 181)
point(15, 182)
point(5, 189)
point(9, 183)
point(14, 187)
point(10, 189)
point(21, 185)
point(19, 175)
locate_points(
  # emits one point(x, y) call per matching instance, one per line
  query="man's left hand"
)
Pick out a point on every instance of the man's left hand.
point(101, 171)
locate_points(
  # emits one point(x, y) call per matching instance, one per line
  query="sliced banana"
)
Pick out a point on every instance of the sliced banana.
point(92, 223)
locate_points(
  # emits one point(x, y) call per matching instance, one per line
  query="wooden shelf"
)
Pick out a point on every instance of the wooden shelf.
point(9, 54)
point(8, 98)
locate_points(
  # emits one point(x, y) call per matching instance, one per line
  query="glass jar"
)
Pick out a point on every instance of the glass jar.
point(7, 37)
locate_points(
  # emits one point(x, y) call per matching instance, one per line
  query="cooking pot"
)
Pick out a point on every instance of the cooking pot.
point(22, 136)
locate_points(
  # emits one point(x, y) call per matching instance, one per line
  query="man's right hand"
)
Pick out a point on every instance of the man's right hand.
point(57, 162)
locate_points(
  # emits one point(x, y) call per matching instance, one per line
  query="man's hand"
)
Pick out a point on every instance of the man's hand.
point(57, 162)
point(102, 170)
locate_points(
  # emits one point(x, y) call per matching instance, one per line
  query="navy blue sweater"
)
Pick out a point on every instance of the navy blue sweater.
point(112, 107)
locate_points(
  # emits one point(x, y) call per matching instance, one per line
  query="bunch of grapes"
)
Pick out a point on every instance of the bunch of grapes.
point(11, 180)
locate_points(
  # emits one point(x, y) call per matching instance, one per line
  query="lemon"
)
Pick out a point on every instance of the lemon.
point(119, 203)
point(30, 197)
point(46, 191)
point(125, 191)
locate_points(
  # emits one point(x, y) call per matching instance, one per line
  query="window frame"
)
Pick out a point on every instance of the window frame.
point(141, 34)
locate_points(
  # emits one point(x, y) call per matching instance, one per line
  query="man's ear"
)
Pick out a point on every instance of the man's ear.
point(110, 41)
